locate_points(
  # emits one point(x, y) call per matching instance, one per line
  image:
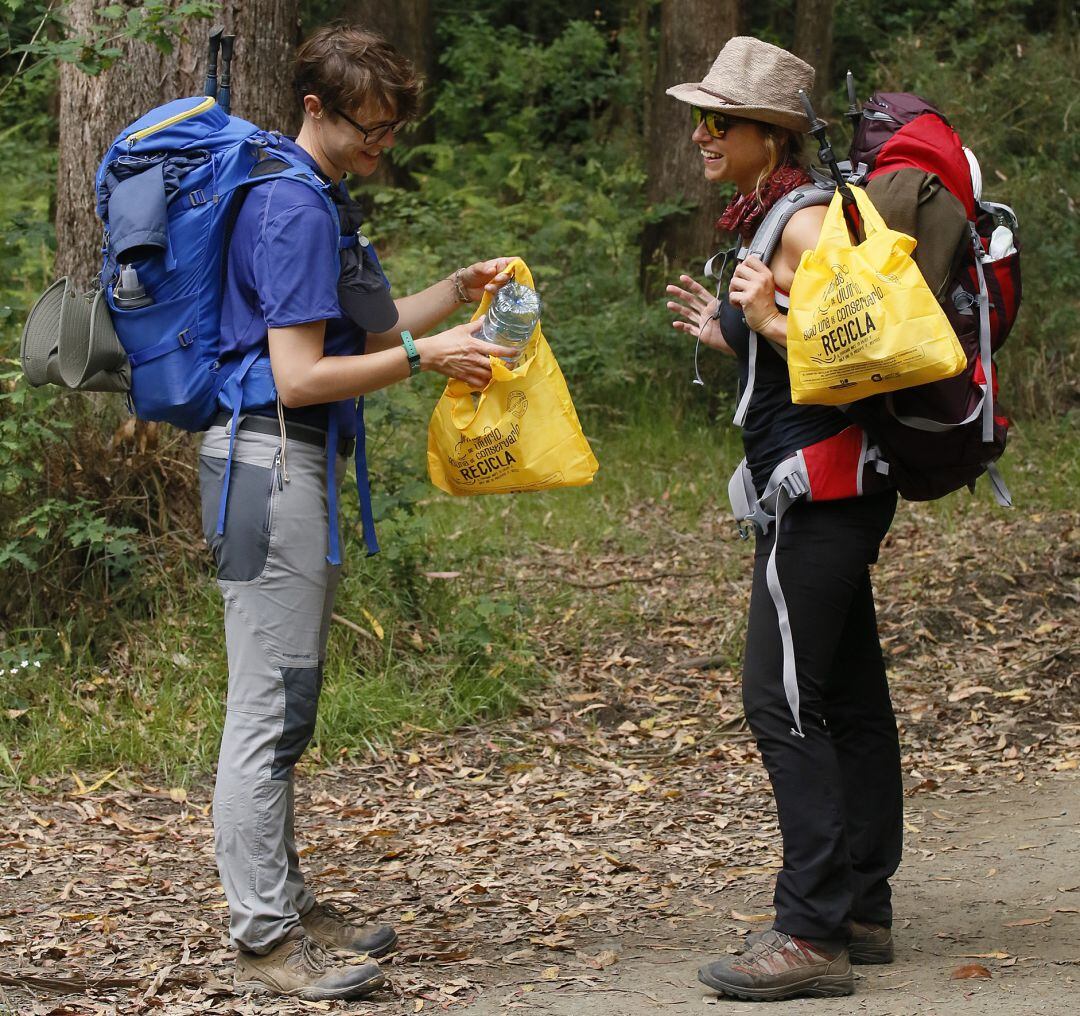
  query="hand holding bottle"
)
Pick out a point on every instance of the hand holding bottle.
point(460, 353)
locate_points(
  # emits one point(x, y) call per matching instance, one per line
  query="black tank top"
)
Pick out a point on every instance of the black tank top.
point(775, 427)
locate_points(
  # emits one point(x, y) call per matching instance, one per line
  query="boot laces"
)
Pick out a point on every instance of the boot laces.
point(770, 943)
point(335, 913)
point(309, 954)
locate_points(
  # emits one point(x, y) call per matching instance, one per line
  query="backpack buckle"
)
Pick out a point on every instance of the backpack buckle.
point(964, 301)
point(184, 338)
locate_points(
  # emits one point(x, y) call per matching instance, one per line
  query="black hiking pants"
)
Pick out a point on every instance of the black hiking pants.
point(838, 789)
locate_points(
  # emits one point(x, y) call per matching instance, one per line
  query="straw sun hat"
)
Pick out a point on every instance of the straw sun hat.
point(753, 80)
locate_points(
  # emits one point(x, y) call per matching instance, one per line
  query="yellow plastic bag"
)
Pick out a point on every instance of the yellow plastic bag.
point(862, 320)
point(521, 434)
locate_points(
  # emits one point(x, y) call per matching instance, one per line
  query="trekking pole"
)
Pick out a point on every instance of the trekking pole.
point(225, 92)
point(853, 111)
point(211, 61)
point(820, 130)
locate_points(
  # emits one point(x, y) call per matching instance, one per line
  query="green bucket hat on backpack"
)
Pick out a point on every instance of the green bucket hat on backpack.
point(68, 339)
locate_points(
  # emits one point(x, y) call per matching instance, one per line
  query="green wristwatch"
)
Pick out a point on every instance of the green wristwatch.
point(410, 351)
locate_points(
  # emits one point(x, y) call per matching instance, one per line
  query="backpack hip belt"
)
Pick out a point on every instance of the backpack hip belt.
point(842, 466)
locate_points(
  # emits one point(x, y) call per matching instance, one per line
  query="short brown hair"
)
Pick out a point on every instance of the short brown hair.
point(345, 66)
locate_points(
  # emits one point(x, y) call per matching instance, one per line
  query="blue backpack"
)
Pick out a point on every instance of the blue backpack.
point(168, 192)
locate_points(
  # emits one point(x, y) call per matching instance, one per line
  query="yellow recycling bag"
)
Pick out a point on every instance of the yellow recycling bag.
point(862, 320)
point(522, 433)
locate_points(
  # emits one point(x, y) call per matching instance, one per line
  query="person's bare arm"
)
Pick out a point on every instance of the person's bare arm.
point(305, 376)
point(420, 312)
point(753, 286)
point(800, 235)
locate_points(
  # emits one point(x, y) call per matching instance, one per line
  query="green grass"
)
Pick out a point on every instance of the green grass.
point(451, 651)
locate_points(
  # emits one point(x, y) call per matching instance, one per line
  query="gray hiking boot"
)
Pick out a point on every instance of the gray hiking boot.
point(778, 967)
point(868, 943)
point(300, 968)
point(332, 929)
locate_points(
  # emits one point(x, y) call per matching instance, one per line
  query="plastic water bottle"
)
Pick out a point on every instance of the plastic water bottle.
point(511, 318)
point(130, 294)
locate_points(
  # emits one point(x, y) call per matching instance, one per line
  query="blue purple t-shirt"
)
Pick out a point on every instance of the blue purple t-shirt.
point(283, 268)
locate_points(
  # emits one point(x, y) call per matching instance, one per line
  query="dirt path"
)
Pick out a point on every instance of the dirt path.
point(587, 855)
point(990, 879)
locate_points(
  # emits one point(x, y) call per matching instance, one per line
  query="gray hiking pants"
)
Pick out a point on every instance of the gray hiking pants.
point(278, 590)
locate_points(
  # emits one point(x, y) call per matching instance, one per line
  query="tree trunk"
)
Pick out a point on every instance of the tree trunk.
point(267, 33)
point(813, 43)
point(408, 26)
point(94, 109)
point(692, 33)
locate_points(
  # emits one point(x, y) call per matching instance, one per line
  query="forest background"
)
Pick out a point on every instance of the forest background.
point(547, 134)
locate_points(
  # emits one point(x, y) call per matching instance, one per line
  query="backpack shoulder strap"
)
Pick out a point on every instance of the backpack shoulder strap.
point(275, 165)
point(767, 237)
point(763, 246)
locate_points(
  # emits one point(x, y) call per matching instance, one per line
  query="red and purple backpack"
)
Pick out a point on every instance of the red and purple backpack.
point(933, 439)
point(943, 436)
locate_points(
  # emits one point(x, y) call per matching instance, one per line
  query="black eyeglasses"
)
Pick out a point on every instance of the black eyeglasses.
point(372, 134)
point(716, 123)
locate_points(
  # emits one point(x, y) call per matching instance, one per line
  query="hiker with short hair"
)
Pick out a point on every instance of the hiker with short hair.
point(331, 338)
point(814, 686)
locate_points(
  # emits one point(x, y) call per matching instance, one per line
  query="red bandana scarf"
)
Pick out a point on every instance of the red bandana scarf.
point(744, 214)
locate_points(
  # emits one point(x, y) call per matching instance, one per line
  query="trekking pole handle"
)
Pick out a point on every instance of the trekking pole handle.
point(225, 100)
point(820, 129)
point(854, 114)
point(808, 108)
point(213, 43)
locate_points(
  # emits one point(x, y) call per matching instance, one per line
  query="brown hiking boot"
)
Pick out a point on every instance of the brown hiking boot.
point(778, 967)
point(301, 968)
point(870, 943)
point(332, 929)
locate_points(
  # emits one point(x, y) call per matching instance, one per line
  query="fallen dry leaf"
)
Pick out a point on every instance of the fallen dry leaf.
point(495, 843)
point(752, 918)
point(969, 970)
point(600, 961)
point(374, 622)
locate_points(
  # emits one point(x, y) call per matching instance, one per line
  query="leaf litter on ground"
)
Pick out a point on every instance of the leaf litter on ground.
point(623, 798)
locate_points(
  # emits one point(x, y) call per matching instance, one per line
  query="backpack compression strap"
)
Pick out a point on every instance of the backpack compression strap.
point(363, 489)
point(788, 483)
